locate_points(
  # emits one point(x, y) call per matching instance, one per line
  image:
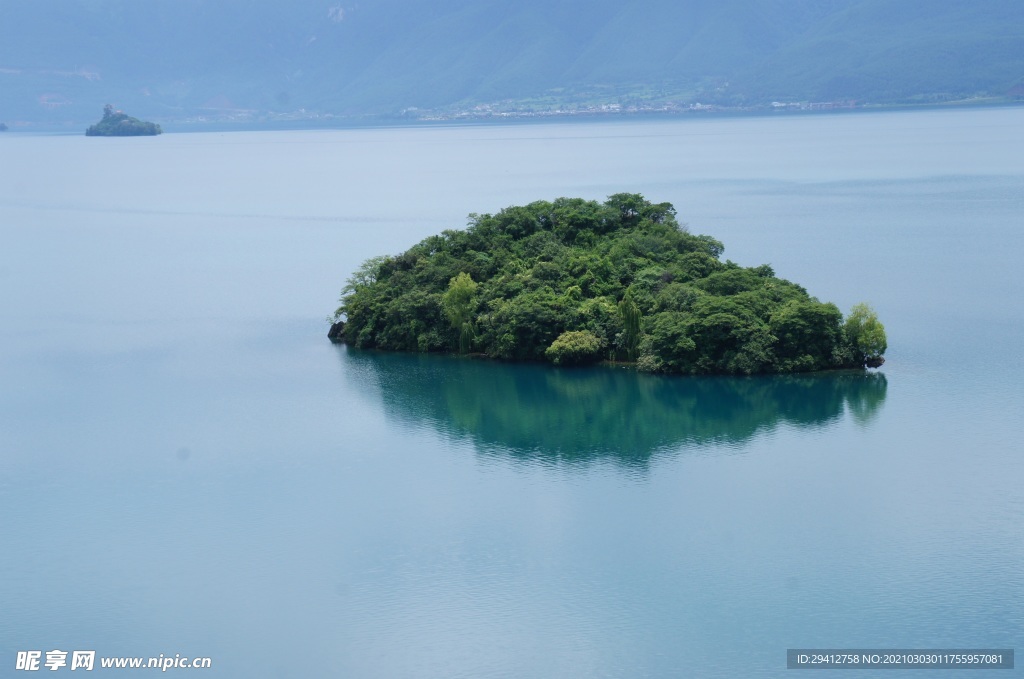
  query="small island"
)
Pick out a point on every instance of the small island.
point(119, 124)
point(3, 127)
point(575, 282)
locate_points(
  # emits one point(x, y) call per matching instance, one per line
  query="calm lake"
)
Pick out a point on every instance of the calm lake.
point(188, 466)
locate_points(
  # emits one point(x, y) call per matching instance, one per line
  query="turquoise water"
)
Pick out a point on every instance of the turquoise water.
point(188, 466)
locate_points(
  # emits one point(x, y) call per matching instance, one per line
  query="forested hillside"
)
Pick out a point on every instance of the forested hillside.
point(171, 59)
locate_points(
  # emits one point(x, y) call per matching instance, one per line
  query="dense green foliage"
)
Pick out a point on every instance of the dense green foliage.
point(572, 281)
point(118, 124)
point(575, 347)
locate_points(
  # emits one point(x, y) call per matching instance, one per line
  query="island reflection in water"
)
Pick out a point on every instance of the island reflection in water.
point(536, 413)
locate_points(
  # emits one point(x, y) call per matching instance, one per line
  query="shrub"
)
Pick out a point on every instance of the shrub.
point(576, 347)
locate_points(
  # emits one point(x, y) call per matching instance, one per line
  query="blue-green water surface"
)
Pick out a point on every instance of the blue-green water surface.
point(188, 466)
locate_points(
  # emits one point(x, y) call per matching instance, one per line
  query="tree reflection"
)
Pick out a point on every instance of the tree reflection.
point(535, 412)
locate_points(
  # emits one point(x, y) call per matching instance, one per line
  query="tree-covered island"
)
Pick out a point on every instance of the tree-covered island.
point(575, 281)
point(119, 124)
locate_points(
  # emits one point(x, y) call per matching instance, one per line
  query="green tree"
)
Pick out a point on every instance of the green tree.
point(458, 304)
point(808, 333)
point(631, 318)
point(523, 327)
point(366, 274)
point(668, 346)
point(866, 335)
point(575, 347)
point(728, 338)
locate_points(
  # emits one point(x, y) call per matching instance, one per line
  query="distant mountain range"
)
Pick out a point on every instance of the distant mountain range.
point(174, 60)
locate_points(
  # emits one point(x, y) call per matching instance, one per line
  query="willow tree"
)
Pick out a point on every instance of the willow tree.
point(458, 304)
point(631, 316)
point(866, 335)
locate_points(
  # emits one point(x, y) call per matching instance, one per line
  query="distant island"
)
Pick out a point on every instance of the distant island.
point(575, 282)
point(119, 124)
point(3, 127)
